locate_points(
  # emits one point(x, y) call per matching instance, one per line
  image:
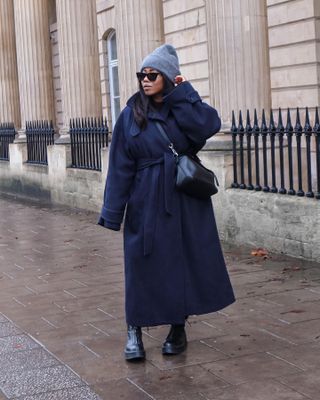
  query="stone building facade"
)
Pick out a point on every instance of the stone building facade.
point(64, 59)
point(72, 58)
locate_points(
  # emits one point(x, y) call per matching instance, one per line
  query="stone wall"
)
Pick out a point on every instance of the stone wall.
point(279, 223)
point(56, 182)
point(294, 52)
point(185, 28)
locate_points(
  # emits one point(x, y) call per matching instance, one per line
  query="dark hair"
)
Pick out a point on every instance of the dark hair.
point(143, 103)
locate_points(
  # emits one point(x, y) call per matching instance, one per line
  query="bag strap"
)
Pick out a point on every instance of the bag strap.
point(166, 137)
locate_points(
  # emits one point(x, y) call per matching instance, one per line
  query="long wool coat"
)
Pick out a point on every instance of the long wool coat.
point(174, 265)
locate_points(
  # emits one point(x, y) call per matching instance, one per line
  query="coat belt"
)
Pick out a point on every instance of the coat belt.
point(149, 224)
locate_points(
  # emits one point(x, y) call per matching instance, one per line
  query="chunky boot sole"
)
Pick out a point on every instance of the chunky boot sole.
point(135, 355)
point(169, 349)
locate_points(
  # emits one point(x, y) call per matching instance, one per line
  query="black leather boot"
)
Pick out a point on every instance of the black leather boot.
point(176, 341)
point(134, 349)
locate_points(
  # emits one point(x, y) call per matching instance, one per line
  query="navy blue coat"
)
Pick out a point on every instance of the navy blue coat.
point(174, 265)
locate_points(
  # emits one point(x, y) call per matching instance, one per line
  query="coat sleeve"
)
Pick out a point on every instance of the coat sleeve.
point(196, 119)
point(120, 176)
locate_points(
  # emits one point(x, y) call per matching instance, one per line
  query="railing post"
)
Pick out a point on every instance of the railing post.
point(308, 133)
point(78, 141)
point(317, 137)
point(298, 131)
point(289, 132)
point(273, 130)
point(241, 135)
point(264, 132)
point(93, 144)
point(71, 131)
point(280, 131)
point(234, 132)
point(256, 131)
point(248, 136)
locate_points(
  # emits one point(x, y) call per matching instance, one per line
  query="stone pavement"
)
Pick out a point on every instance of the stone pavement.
point(62, 328)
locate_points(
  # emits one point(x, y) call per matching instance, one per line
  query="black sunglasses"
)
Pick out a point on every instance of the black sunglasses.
point(152, 76)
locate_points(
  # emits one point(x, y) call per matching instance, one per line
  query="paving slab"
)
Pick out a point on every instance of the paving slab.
point(39, 380)
point(306, 383)
point(262, 390)
point(15, 343)
point(21, 361)
point(63, 330)
point(77, 393)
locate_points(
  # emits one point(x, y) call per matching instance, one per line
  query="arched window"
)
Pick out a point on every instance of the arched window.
point(113, 76)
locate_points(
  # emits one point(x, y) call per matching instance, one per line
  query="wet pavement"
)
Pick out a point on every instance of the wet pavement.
point(62, 327)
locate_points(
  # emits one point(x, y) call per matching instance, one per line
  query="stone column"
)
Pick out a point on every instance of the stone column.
point(9, 88)
point(238, 56)
point(139, 31)
point(34, 56)
point(79, 61)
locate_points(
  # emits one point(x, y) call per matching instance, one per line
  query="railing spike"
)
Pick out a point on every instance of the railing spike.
point(317, 121)
point(263, 121)
point(240, 126)
point(272, 124)
point(289, 126)
point(233, 123)
point(298, 126)
point(280, 123)
point(307, 126)
point(255, 121)
point(248, 117)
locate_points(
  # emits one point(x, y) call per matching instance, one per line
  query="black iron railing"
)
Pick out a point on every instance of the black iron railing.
point(7, 135)
point(39, 134)
point(88, 136)
point(277, 158)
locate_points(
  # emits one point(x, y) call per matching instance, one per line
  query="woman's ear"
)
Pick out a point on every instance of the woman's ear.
point(179, 79)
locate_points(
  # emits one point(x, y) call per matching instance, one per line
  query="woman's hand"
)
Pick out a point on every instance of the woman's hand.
point(179, 79)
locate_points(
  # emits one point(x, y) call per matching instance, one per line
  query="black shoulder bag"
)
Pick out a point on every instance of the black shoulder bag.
point(192, 177)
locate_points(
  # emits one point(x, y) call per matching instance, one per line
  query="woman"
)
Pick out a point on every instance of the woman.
point(174, 265)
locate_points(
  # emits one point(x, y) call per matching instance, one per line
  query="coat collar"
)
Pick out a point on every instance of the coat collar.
point(156, 115)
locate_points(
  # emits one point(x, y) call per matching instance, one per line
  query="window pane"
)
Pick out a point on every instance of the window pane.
point(116, 107)
point(113, 47)
point(115, 81)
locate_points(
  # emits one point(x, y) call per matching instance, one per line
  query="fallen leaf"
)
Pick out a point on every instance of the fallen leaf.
point(293, 312)
point(260, 252)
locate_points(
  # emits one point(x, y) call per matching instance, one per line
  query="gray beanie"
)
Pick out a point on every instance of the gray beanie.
point(165, 60)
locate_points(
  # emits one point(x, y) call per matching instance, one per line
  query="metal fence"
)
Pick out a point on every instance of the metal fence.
point(7, 136)
point(88, 136)
point(39, 135)
point(277, 158)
